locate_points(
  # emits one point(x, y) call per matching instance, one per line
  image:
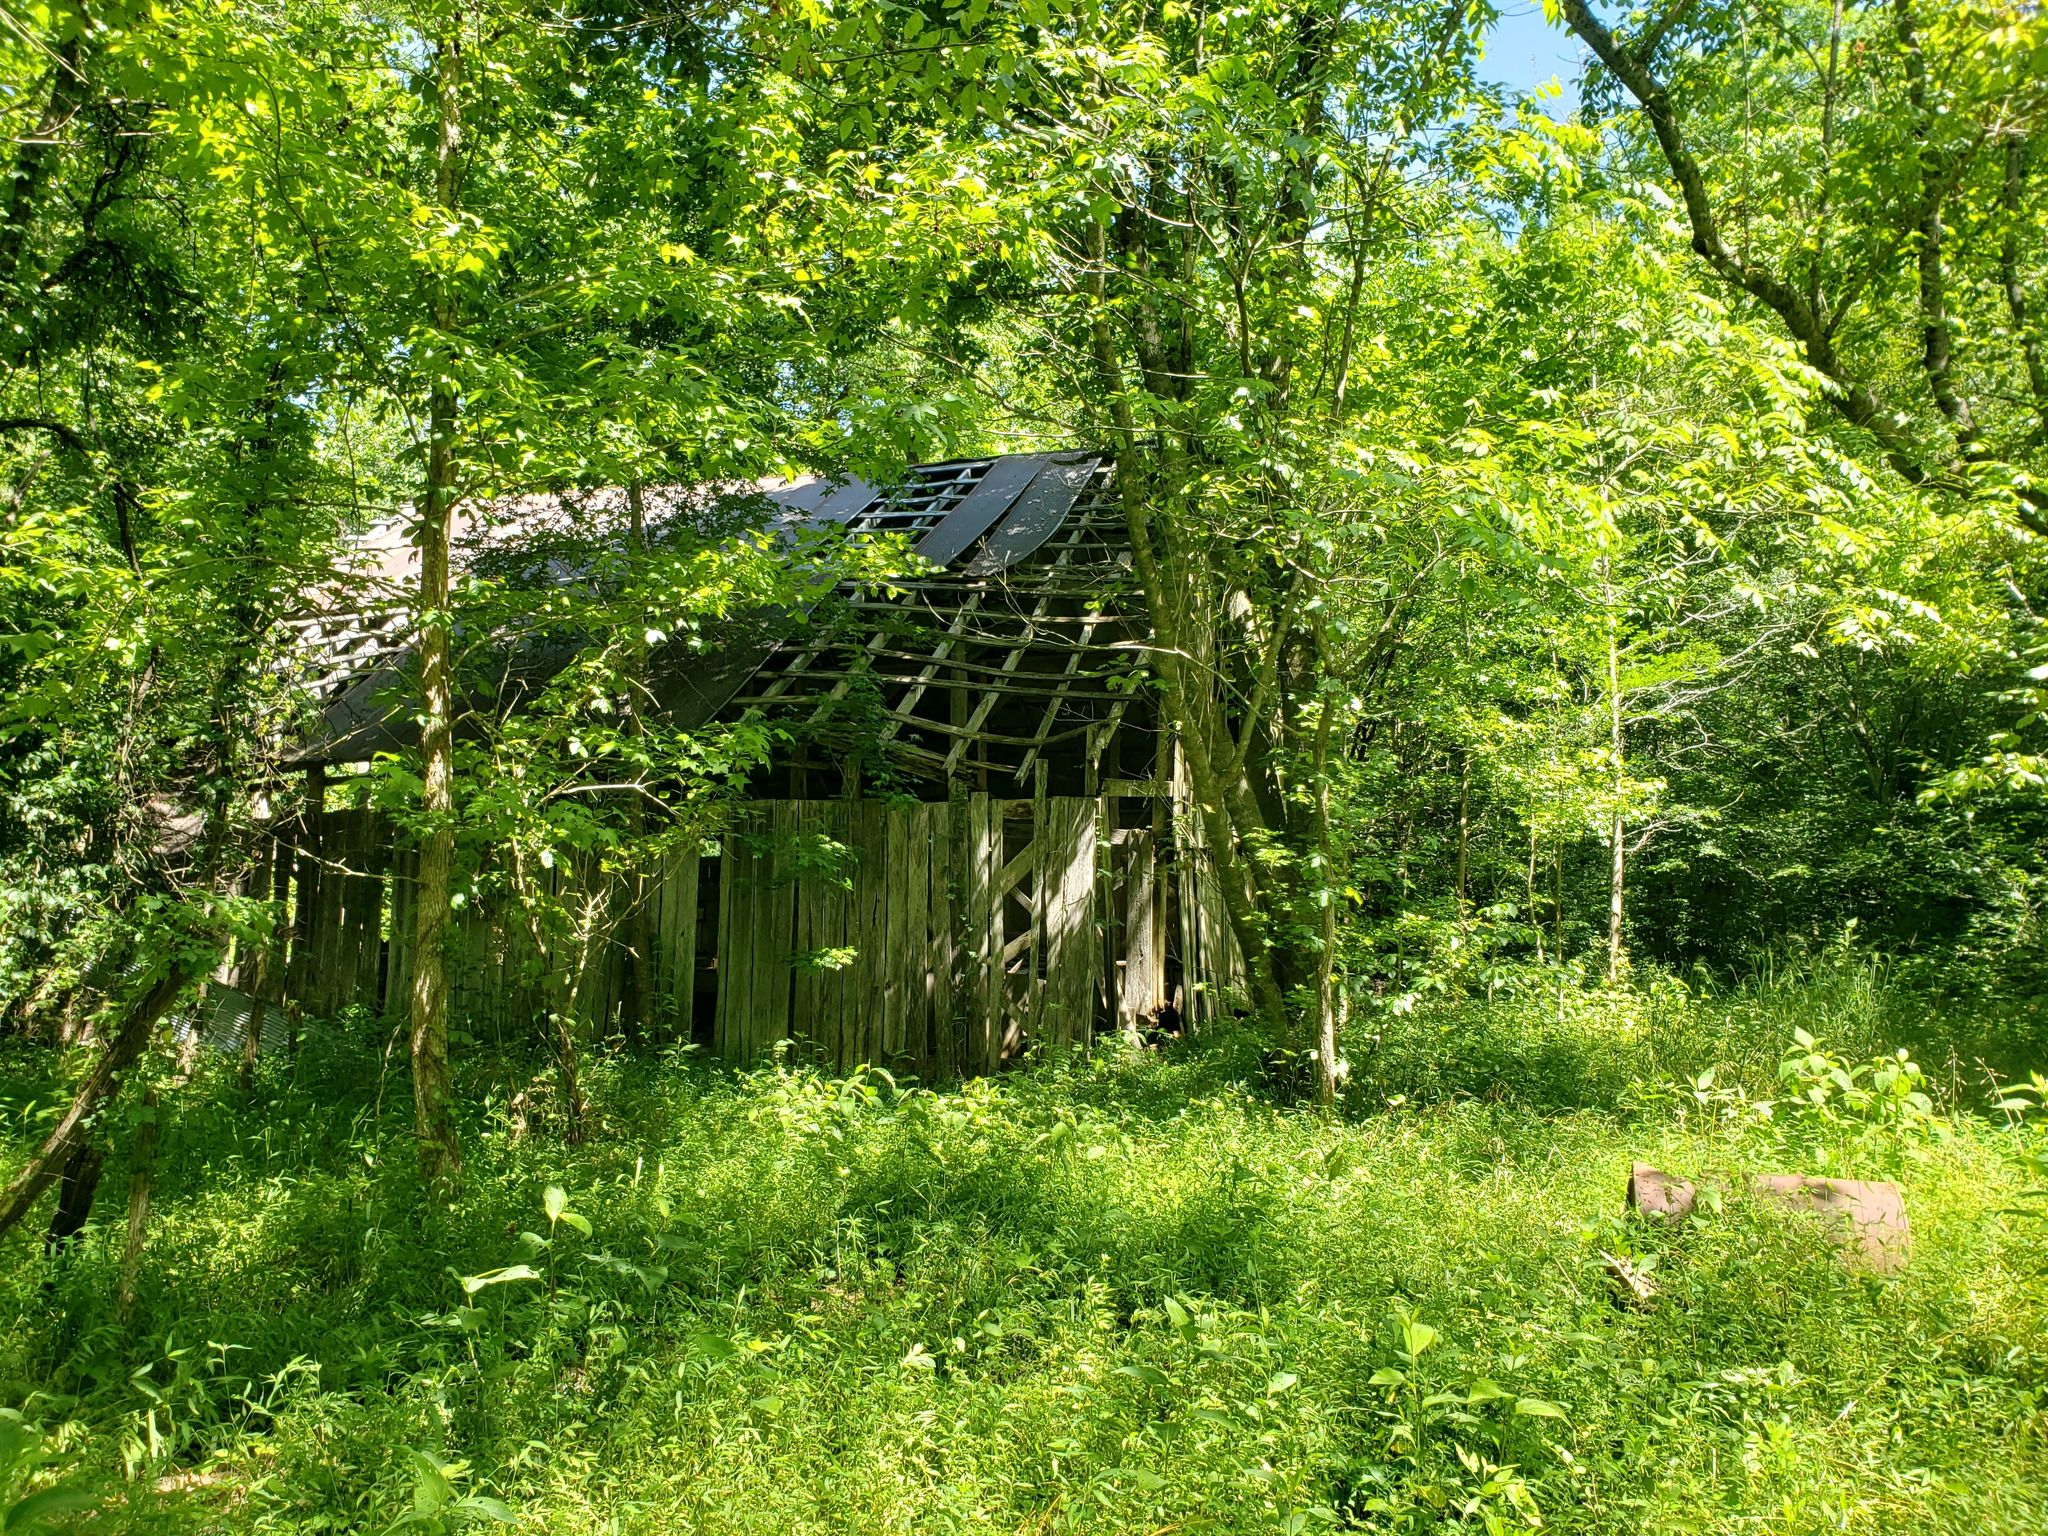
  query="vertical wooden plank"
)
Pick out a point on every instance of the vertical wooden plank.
point(404, 913)
point(892, 1016)
point(761, 868)
point(369, 914)
point(810, 941)
point(780, 905)
point(305, 896)
point(327, 932)
point(851, 1014)
point(964, 923)
point(857, 1007)
point(376, 894)
point(1162, 833)
point(735, 951)
point(876, 911)
point(845, 1001)
point(936, 943)
point(348, 960)
point(914, 883)
point(1188, 826)
point(359, 923)
point(1044, 875)
point(889, 952)
point(348, 928)
point(987, 977)
point(280, 895)
point(314, 896)
point(681, 923)
point(304, 874)
point(657, 999)
point(457, 946)
point(751, 866)
point(465, 970)
point(929, 936)
point(1090, 970)
point(1139, 983)
point(651, 886)
point(1067, 910)
point(837, 924)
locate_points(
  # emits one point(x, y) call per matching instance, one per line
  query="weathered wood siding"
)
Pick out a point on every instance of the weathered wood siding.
point(934, 939)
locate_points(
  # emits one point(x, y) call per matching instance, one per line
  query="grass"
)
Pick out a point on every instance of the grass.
point(1125, 1294)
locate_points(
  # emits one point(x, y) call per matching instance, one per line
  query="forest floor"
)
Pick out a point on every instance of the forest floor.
point(1131, 1294)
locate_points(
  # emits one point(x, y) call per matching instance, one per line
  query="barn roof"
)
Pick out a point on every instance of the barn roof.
point(1011, 648)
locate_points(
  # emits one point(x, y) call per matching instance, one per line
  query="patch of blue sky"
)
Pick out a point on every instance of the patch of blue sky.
point(1535, 57)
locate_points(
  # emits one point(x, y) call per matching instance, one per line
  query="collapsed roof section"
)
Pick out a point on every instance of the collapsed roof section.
point(1008, 659)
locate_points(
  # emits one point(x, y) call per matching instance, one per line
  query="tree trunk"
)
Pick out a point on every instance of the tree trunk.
point(1557, 903)
point(1185, 700)
point(1329, 1079)
point(432, 1092)
point(1617, 960)
point(138, 1206)
point(124, 1047)
point(1464, 829)
point(568, 1073)
point(262, 881)
point(591, 947)
point(79, 1183)
point(637, 888)
point(33, 156)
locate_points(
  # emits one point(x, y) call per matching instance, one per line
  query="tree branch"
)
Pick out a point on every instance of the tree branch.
point(1854, 400)
point(65, 435)
point(2009, 279)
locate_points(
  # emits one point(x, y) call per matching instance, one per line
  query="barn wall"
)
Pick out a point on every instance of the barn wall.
point(937, 939)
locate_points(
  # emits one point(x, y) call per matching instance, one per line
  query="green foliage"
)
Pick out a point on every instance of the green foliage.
point(1614, 697)
point(40, 1489)
point(1109, 1294)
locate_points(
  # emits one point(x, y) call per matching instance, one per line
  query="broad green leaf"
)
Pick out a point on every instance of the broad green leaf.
point(471, 1284)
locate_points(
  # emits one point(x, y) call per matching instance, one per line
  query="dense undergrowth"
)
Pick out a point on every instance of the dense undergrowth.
point(1134, 1293)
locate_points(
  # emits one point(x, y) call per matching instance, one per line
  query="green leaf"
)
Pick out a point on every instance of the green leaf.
point(555, 1201)
point(471, 1284)
point(1538, 1408)
point(47, 1504)
point(712, 1346)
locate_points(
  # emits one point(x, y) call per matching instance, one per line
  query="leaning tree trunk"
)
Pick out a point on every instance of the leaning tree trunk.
point(124, 1048)
point(432, 1091)
point(76, 1187)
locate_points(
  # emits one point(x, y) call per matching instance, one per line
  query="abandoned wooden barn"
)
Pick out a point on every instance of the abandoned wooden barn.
point(1011, 863)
